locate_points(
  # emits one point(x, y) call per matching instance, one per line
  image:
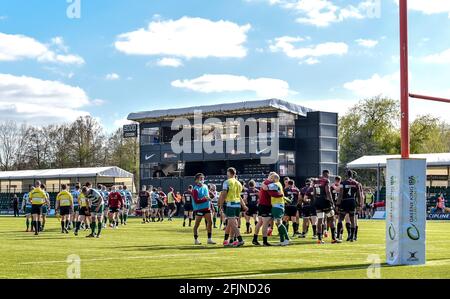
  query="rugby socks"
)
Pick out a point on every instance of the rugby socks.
point(240, 239)
point(255, 238)
point(67, 224)
point(209, 236)
point(347, 226)
point(282, 232)
point(63, 226)
point(314, 227)
point(248, 226)
point(99, 228)
point(125, 217)
point(190, 221)
point(227, 236)
point(77, 226)
point(93, 227)
point(195, 237)
point(295, 227)
point(214, 221)
point(38, 226)
point(355, 236)
point(333, 233)
point(265, 242)
point(121, 219)
point(28, 223)
point(339, 229)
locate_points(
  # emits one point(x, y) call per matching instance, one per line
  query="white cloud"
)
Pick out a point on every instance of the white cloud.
point(429, 6)
point(388, 85)
point(2, 18)
point(263, 87)
point(112, 77)
point(40, 101)
point(322, 13)
point(19, 47)
point(187, 38)
point(439, 58)
point(170, 62)
point(367, 43)
point(286, 44)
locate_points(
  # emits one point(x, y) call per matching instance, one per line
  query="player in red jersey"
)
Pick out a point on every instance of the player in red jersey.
point(292, 193)
point(334, 188)
point(308, 211)
point(324, 206)
point(264, 214)
point(350, 199)
point(115, 203)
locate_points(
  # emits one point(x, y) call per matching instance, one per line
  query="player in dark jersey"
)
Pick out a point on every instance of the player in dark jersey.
point(350, 199)
point(334, 188)
point(308, 211)
point(144, 198)
point(187, 204)
point(251, 197)
point(243, 193)
point(324, 206)
point(292, 193)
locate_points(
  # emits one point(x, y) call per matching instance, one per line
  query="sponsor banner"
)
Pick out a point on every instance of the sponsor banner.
point(379, 215)
point(130, 131)
point(405, 211)
point(439, 216)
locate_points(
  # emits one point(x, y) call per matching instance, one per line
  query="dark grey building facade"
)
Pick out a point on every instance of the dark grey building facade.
point(307, 143)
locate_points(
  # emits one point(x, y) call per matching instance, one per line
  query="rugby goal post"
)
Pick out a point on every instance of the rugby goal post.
point(406, 177)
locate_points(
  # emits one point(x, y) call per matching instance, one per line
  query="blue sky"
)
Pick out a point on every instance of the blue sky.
point(127, 56)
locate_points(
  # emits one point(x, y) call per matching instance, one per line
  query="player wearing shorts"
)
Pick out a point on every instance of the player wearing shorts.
point(350, 199)
point(214, 195)
point(171, 203)
point(334, 188)
point(45, 208)
point(115, 203)
point(251, 198)
point(26, 208)
point(38, 198)
point(154, 206)
point(324, 206)
point(202, 207)
point(161, 204)
point(231, 202)
point(64, 203)
point(84, 213)
point(308, 211)
point(264, 213)
point(95, 201)
point(243, 193)
point(187, 204)
point(127, 204)
point(293, 194)
point(277, 199)
point(144, 197)
point(74, 217)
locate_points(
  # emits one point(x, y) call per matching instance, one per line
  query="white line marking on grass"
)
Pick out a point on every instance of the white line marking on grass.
point(116, 258)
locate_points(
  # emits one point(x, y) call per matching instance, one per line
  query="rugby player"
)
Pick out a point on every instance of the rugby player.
point(38, 198)
point(324, 206)
point(95, 202)
point(308, 211)
point(202, 207)
point(26, 208)
point(334, 188)
point(187, 204)
point(214, 195)
point(292, 193)
point(76, 206)
point(45, 208)
point(251, 200)
point(115, 203)
point(350, 198)
point(127, 204)
point(161, 204)
point(264, 213)
point(154, 207)
point(121, 210)
point(231, 202)
point(171, 203)
point(144, 197)
point(84, 213)
point(105, 193)
point(277, 199)
point(64, 203)
point(243, 193)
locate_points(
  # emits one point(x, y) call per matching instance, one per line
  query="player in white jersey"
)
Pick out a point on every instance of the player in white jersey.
point(128, 203)
point(26, 208)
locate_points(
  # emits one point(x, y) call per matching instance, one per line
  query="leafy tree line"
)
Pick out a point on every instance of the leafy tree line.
point(83, 143)
point(372, 127)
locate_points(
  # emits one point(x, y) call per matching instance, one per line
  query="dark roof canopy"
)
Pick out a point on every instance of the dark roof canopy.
point(249, 107)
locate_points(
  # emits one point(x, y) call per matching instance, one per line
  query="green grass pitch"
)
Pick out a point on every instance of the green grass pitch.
point(166, 250)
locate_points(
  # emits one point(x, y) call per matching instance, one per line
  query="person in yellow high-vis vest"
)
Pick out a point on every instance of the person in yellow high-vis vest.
point(38, 198)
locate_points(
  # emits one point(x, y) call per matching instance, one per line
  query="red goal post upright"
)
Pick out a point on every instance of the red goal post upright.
point(406, 177)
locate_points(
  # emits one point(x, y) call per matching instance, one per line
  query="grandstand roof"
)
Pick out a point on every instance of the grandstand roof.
point(240, 107)
point(111, 171)
point(368, 162)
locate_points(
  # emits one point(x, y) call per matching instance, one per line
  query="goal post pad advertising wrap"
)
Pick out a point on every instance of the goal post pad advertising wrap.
point(405, 211)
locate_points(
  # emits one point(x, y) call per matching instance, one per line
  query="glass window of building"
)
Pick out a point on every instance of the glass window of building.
point(287, 163)
point(150, 136)
point(287, 125)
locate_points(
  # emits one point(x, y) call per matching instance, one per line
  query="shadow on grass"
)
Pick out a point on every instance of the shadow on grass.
point(267, 272)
